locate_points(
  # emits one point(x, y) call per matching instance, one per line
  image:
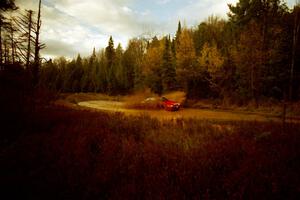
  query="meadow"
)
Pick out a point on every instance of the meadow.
point(64, 153)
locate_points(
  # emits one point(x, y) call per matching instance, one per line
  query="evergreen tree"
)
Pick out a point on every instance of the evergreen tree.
point(179, 30)
point(120, 72)
point(102, 73)
point(168, 68)
point(110, 58)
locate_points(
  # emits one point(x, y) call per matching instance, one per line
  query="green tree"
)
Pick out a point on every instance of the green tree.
point(168, 68)
point(120, 72)
point(102, 73)
point(110, 58)
point(133, 60)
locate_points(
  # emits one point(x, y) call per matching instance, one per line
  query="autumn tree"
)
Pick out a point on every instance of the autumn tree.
point(248, 57)
point(212, 61)
point(152, 64)
point(186, 65)
point(210, 31)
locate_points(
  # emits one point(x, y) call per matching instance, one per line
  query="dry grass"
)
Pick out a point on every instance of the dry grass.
point(73, 154)
point(266, 107)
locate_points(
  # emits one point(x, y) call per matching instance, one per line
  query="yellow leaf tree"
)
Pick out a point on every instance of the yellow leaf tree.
point(185, 58)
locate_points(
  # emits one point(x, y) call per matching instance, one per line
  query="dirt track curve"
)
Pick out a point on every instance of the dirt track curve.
point(113, 106)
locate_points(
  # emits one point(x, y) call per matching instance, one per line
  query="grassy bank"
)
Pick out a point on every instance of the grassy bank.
point(73, 154)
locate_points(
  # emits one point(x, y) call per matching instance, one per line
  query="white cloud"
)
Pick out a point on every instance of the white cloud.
point(163, 1)
point(198, 10)
point(73, 26)
point(82, 25)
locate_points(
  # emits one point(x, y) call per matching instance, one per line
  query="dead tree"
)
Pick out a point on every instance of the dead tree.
point(25, 25)
point(38, 46)
point(294, 46)
point(4, 27)
point(12, 31)
point(6, 53)
point(29, 38)
point(1, 25)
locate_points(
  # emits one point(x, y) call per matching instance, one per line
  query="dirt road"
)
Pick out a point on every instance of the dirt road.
point(113, 106)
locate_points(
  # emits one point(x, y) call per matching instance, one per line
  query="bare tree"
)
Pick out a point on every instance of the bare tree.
point(38, 47)
point(12, 31)
point(294, 45)
point(1, 26)
point(30, 12)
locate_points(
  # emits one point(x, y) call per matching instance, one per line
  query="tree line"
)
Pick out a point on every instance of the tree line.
point(252, 55)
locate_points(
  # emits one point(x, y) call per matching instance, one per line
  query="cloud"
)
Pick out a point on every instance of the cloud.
point(81, 29)
point(161, 2)
point(112, 17)
point(76, 26)
point(198, 10)
point(57, 47)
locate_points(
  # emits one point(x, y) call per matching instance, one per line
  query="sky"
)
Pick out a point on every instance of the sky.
point(70, 27)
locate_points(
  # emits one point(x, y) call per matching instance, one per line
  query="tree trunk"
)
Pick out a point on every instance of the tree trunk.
point(1, 58)
point(6, 53)
point(12, 43)
point(295, 41)
point(37, 48)
point(1, 52)
point(29, 38)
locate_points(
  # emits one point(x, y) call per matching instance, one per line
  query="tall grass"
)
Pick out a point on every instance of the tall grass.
point(72, 154)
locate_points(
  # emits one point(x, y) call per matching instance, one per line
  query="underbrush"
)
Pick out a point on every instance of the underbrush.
point(267, 106)
point(73, 154)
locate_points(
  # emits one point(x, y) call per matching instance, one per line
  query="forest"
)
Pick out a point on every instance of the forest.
point(252, 55)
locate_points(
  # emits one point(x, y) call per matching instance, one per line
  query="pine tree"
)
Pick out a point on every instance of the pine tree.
point(119, 70)
point(168, 68)
point(176, 41)
point(110, 57)
point(179, 30)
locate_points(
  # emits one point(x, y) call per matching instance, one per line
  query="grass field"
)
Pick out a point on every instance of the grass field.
point(64, 153)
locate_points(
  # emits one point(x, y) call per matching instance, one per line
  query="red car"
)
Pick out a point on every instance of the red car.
point(170, 105)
